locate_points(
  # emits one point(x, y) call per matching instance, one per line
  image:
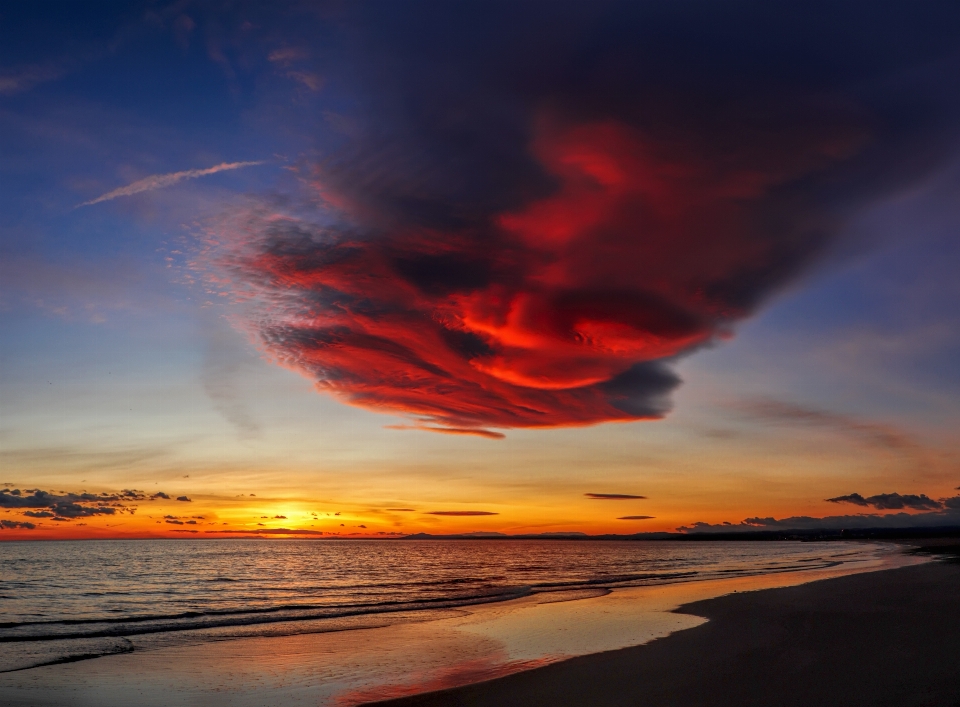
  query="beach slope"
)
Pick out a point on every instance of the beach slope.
point(881, 638)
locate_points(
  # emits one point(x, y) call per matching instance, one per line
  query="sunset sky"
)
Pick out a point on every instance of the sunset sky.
point(399, 267)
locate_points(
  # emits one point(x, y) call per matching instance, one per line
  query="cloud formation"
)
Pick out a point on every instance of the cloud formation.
point(535, 242)
point(65, 506)
point(636, 518)
point(159, 181)
point(871, 433)
point(942, 513)
point(14, 524)
point(612, 496)
point(891, 501)
point(69, 506)
point(461, 513)
point(24, 78)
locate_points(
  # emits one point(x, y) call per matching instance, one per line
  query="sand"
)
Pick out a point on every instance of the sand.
point(882, 638)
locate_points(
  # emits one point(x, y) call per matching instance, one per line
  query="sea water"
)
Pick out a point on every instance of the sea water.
point(75, 600)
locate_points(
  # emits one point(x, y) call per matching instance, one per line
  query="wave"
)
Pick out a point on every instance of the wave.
point(189, 621)
point(115, 627)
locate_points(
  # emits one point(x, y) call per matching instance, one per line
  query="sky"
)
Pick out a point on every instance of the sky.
point(332, 269)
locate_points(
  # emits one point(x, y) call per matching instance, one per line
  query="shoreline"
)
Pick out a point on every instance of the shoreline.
point(351, 667)
point(888, 637)
point(50, 642)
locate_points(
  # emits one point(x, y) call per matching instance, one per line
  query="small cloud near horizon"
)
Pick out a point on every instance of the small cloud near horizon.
point(636, 518)
point(890, 501)
point(461, 513)
point(944, 513)
point(612, 496)
point(14, 524)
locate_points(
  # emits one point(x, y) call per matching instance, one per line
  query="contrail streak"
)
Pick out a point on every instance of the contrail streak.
point(158, 181)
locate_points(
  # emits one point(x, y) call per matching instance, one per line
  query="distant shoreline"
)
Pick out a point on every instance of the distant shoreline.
point(800, 535)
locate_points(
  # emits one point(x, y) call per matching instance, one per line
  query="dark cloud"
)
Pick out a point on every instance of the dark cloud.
point(14, 524)
point(461, 513)
point(635, 518)
point(612, 496)
point(283, 517)
point(891, 501)
point(159, 494)
point(538, 208)
point(174, 522)
point(183, 498)
point(67, 506)
point(948, 517)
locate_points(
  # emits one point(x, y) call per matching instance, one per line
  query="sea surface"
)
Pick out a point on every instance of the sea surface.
point(69, 601)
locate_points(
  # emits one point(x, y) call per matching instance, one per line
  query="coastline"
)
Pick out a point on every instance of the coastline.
point(351, 667)
point(890, 637)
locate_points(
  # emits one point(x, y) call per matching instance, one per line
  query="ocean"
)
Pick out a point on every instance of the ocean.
point(76, 600)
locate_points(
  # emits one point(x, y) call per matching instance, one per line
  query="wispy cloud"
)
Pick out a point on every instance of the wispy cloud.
point(475, 431)
point(636, 518)
point(159, 181)
point(24, 78)
point(462, 513)
point(612, 496)
point(870, 433)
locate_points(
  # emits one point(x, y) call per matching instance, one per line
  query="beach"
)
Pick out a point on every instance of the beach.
point(881, 638)
point(566, 647)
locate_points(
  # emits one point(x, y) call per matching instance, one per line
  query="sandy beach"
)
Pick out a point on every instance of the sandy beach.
point(882, 638)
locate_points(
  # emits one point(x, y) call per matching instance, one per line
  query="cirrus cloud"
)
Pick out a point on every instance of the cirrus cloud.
point(159, 181)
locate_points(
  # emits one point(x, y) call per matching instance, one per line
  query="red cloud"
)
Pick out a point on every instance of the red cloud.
point(561, 311)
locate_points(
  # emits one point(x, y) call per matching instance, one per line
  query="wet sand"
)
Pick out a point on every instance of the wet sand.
point(882, 638)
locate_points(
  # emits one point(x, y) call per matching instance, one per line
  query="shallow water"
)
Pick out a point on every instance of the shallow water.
point(67, 601)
